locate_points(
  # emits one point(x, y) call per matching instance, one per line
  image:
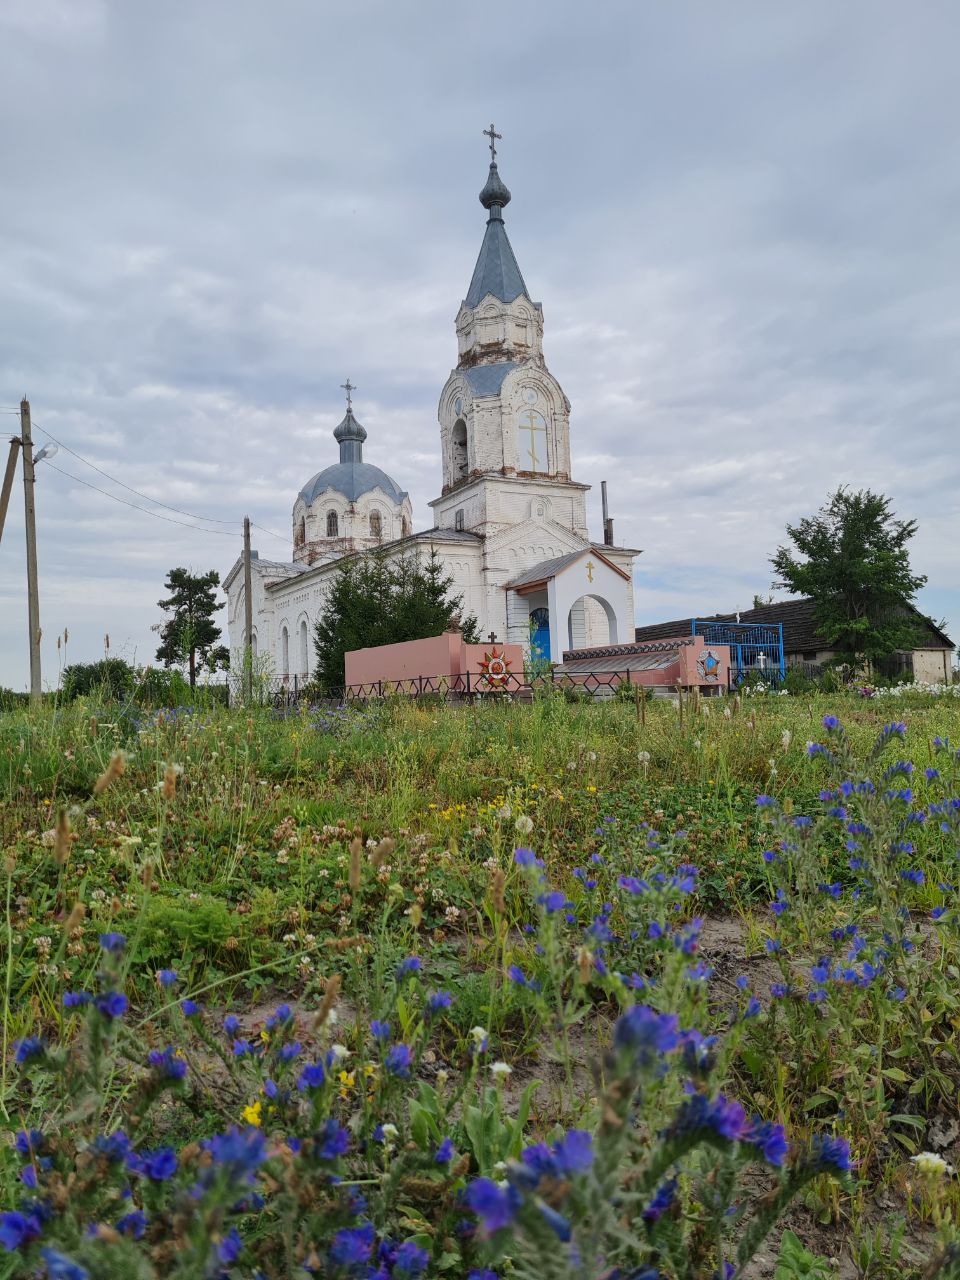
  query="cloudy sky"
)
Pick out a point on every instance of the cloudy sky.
point(741, 220)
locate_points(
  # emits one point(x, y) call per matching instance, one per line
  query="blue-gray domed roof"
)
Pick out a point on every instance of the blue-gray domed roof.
point(351, 479)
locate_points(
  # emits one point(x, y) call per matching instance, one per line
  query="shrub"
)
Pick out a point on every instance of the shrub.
point(111, 679)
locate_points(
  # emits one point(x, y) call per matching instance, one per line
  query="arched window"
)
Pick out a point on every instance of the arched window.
point(285, 652)
point(304, 650)
point(376, 525)
point(333, 525)
point(459, 449)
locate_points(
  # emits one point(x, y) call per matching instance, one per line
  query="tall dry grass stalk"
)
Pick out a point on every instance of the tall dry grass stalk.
point(356, 855)
point(169, 788)
point(64, 840)
point(331, 995)
point(115, 769)
point(497, 883)
point(382, 852)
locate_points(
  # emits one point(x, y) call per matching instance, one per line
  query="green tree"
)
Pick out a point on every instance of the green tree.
point(377, 599)
point(189, 636)
point(851, 559)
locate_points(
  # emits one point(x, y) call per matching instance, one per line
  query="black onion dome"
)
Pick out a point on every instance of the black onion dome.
point(495, 191)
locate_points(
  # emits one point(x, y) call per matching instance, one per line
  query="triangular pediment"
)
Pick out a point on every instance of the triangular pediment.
point(537, 533)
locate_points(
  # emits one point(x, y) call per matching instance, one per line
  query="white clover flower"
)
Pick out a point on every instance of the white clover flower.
point(500, 1166)
point(785, 738)
point(501, 1070)
point(340, 1051)
point(478, 1035)
point(523, 824)
point(931, 1165)
point(390, 1131)
point(504, 812)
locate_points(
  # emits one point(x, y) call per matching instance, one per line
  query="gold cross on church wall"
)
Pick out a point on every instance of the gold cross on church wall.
point(590, 568)
point(533, 425)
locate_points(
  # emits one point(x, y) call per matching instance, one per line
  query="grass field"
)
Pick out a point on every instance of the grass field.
point(258, 856)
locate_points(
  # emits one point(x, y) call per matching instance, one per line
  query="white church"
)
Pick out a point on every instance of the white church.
point(510, 523)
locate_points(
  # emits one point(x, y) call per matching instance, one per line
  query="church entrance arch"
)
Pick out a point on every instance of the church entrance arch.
point(591, 621)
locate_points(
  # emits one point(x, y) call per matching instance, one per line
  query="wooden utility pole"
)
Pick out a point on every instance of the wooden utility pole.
point(8, 481)
point(30, 512)
point(247, 616)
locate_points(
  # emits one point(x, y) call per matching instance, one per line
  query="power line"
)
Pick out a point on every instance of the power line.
point(166, 505)
point(222, 533)
point(113, 479)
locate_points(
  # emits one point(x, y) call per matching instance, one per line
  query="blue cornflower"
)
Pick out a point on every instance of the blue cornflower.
point(445, 1152)
point(287, 1052)
point(661, 1202)
point(830, 722)
point(646, 1033)
point(282, 1015)
point(114, 942)
point(482, 1273)
point(167, 1064)
point(743, 982)
point(332, 1141)
point(241, 1048)
point(937, 913)
point(632, 884)
point(352, 1245)
point(399, 1058)
point(753, 1007)
point(770, 855)
point(167, 977)
point(770, 1139)
point(553, 901)
point(380, 1030)
point(495, 1206)
point(555, 1221)
point(158, 1165)
point(312, 1076)
point(30, 1144)
point(190, 1008)
point(830, 1153)
point(765, 802)
point(573, 1152)
point(231, 1024)
point(133, 1224)
point(820, 972)
point(412, 964)
point(60, 1267)
point(772, 945)
point(438, 1001)
point(28, 1048)
point(779, 989)
point(913, 874)
point(721, 1115)
point(411, 1260)
point(238, 1150)
point(525, 858)
point(228, 1250)
point(115, 1147)
point(76, 999)
point(112, 1004)
point(28, 1176)
point(17, 1229)
point(654, 929)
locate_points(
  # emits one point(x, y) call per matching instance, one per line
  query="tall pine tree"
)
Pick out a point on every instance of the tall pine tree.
point(375, 599)
point(190, 634)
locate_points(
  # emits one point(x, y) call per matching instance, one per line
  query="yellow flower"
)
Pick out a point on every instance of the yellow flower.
point(251, 1114)
point(592, 790)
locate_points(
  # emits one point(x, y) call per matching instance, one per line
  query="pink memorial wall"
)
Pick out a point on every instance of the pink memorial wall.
point(437, 656)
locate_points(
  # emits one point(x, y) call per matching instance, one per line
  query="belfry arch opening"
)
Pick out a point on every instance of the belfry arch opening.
point(459, 439)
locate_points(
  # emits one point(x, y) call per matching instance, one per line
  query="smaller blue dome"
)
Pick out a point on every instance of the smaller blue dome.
point(351, 479)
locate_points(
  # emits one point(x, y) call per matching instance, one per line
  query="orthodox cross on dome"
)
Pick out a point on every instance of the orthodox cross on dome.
point(492, 134)
point(348, 387)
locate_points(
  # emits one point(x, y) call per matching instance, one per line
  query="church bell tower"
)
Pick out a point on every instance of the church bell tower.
point(504, 419)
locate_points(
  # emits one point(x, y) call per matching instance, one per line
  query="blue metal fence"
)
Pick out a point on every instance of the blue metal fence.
point(756, 648)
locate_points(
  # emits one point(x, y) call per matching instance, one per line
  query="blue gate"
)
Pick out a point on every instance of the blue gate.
point(756, 648)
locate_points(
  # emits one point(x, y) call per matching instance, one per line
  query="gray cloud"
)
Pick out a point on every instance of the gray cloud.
point(740, 224)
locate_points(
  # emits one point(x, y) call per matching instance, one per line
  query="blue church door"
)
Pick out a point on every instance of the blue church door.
point(540, 634)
